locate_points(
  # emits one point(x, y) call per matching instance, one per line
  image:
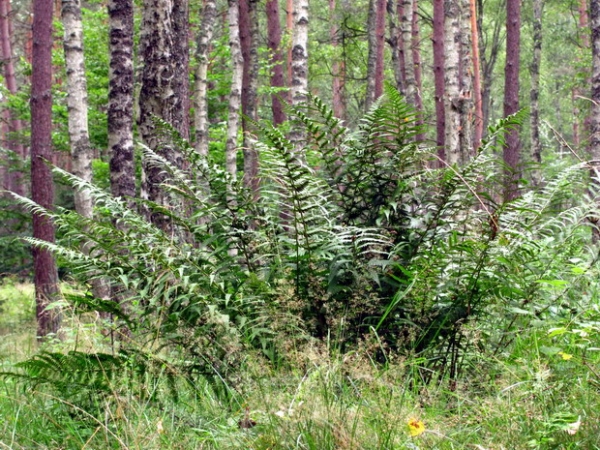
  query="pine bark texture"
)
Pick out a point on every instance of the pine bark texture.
point(164, 90)
point(452, 101)
point(205, 36)
point(248, 23)
point(438, 74)
point(235, 94)
point(42, 188)
point(14, 181)
point(534, 94)
point(274, 44)
point(511, 96)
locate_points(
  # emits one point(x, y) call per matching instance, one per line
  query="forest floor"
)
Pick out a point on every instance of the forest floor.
point(532, 397)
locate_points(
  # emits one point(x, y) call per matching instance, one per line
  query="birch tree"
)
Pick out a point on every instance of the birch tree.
point(595, 112)
point(205, 35)
point(534, 93)
point(235, 94)
point(451, 80)
point(299, 85)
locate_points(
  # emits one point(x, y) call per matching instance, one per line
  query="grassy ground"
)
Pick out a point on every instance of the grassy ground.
point(543, 394)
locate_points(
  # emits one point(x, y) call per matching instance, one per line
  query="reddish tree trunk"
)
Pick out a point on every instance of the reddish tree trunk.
point(478, 122)
point(416, 58)
point(511, 95)
point(15, 181)
point(274, 42)
point(42, 188)
point(380, 36)
point(438, 71)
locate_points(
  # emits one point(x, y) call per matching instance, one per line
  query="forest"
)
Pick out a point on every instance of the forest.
point(294, 224)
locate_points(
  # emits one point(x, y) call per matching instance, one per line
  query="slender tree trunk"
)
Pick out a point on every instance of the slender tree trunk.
point(164, 91)
point(439, 77)
point(42, 188)
point(14, 125)
point(380, 36)
point(77, 108)
point(289, 26)
point(120, 100)
point(299, 88)
point(394, 14)
point(274, 44)
point(595, 112)
point(452, 102)
point(536, 144)
point(338, 67)
point(416, 57)
point(488, 63)
point(406, 22)
point(209, 15)
point(248, 23)
point(466, 83)
point(478, 119)
point(511, 96)
point(235, 95)
point(372, 54)
point(576, 91)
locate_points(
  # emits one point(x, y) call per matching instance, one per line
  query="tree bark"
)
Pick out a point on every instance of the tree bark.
point(120, 100)
point(42, 188)
point(338, 67)
point(466, 83)
point(380, 36)
point(595, 112)
point(394, 12)
point(478, 119)
point(274, 44)
point(235, 95)
point(248, 24)
point(205, 35)
point(416, 58)
point(438, 73)
point(299, 88)
point(372, 54)
point(452, 101)
point(511, 96)
point(14, 180)
point(534, 94)
point(406, 22)
point(164, 90)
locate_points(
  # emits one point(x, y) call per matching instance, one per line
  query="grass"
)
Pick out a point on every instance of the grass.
point(532, 397)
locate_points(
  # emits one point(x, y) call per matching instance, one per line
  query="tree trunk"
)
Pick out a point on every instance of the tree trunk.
point(15, 181)
point(416, 58)
point(42, 188)
point(466, 83)
point(380, 36)
point(394, 12)
point(164, 90)
point(338, 67)
point(248, 23)
point(120, 100)
point(536, 144)
point(299, 88)
point(452, 102)
point(478, 119)
point(205, 35)
point(406, 23)
point(438, 73)
point(289, 25)
point(274, 44)
point(372, 54)
point(235, 94)
point(595, 112)
point(488, 63)
point(511, 96)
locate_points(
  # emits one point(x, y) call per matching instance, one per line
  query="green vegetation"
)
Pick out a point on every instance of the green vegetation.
point(361, 292)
